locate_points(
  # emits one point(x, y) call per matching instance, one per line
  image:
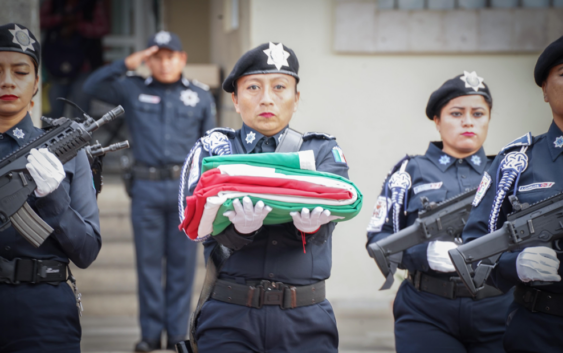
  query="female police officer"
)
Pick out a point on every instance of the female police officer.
point(267, 259)
point(432, 312)
point(529, 168)
point(38, 311)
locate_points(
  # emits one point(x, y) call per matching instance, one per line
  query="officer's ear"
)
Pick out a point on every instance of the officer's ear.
point(234, 97)
point(437, 121)
point(544, 90)
point(184, 57)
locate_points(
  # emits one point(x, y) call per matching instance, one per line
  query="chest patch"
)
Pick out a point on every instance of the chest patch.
point(534, 186)
point(189, 98)
point(426, 187)
point(379, 215)
point(194, 169)
point(147, 98)
point(482, 190)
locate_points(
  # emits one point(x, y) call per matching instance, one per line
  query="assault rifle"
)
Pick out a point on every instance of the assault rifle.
point(64, 138)
point(444, 220)
point(529, 225)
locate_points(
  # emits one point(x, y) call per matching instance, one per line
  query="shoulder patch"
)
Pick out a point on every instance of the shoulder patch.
point(525, 140)
point(482, 189)
point(317, 135)
point(338, 155)
point(203, 86)
point(216, 143)
point(224, 130)
point(194, 168)
point(380, 211)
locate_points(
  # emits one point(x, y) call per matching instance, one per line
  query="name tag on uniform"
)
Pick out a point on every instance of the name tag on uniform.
point(534, 186)
point(426, 187)
point(147, 98)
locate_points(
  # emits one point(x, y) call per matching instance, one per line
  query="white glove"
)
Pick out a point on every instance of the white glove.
point(46, 170)
point(309, 222)
point(538, 263)
point(438, 257)
point(247, 218)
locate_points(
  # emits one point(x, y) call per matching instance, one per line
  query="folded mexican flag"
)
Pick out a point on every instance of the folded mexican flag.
point(286, 182)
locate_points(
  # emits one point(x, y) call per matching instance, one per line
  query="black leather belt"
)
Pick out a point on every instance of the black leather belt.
point(156, 173)
point(256, 294)
point(32, 271)
point(449, 289)
point(537, 300)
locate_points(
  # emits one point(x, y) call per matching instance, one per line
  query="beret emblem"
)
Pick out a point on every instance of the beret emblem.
point(472, 80)
point(22, 38)
point(277, 55)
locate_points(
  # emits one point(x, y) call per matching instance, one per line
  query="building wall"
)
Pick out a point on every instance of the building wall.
point(190, 20)
point(375, 105)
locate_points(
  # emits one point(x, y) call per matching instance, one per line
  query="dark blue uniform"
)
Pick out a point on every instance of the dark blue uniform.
point(44, 317)
point(426, 322)
point(274, 253)
point(526, 331)
point(164, 120)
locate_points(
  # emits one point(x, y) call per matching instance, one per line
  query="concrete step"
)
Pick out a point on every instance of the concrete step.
point(118, 254)
point(115, 226)
point(106, 280)
point(109, 305)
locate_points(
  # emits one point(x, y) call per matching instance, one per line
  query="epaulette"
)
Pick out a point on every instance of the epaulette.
point(203, 86)
point(525, 140)
point(224, 130)
point(319, 135)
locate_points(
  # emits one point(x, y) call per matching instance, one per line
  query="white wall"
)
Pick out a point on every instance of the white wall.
point(374, 105)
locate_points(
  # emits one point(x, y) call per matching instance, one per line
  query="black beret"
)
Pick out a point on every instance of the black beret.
point(17, 38)
point(166, 40)
point(551, 56)
point(268, 58)
point(462, 85)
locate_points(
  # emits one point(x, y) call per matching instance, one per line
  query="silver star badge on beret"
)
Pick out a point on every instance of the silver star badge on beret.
point(277, 56)
point(472, 80)
point(250, 137)
point(18, 133)
point(162, 37)
point(22, 38)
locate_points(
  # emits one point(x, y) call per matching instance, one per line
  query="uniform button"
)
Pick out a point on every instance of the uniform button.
point(275, 242)
point(271, 275)
point(463, 176)
point(7, 248)
point(460, 161)
point(169, 105)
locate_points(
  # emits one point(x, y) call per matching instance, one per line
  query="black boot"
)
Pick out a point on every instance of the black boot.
point(146, 346)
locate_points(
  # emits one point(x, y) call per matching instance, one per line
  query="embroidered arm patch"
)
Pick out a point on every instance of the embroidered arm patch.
point(380, 210)
point(482, 190)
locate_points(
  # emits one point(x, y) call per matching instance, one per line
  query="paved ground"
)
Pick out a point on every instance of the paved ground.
point(110, 323)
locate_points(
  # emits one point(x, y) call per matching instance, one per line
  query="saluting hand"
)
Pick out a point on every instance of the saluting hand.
point(247, 218)
point(134, 60)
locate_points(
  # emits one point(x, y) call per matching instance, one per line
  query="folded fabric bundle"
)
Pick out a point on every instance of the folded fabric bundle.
point(286, 182)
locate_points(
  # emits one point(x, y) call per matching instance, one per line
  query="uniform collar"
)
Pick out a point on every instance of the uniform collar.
point(443, 161)
point(250, 137)
point(149, 80)
point(22, 131)
point(555, 141)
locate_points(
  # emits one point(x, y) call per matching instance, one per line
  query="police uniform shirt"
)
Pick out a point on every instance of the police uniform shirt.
point(71, 210)
point(274, 252)
point(437, 176)
point(541, 179)
point(164, 120)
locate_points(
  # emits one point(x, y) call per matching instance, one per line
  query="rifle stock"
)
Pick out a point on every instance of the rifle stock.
point(539, 223)
point(444, 221)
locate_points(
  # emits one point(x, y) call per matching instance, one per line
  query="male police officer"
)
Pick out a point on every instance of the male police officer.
point(166, 114)
point(270, 295)
point(38, 312)
point(530, 169)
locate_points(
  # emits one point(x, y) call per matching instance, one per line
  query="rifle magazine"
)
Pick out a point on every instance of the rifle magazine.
point(30, 225)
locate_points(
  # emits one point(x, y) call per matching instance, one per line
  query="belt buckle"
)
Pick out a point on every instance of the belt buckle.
point(13, 265)
point(153, 174)
point(175, 172)
point(271, 293)
point(34, 271)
